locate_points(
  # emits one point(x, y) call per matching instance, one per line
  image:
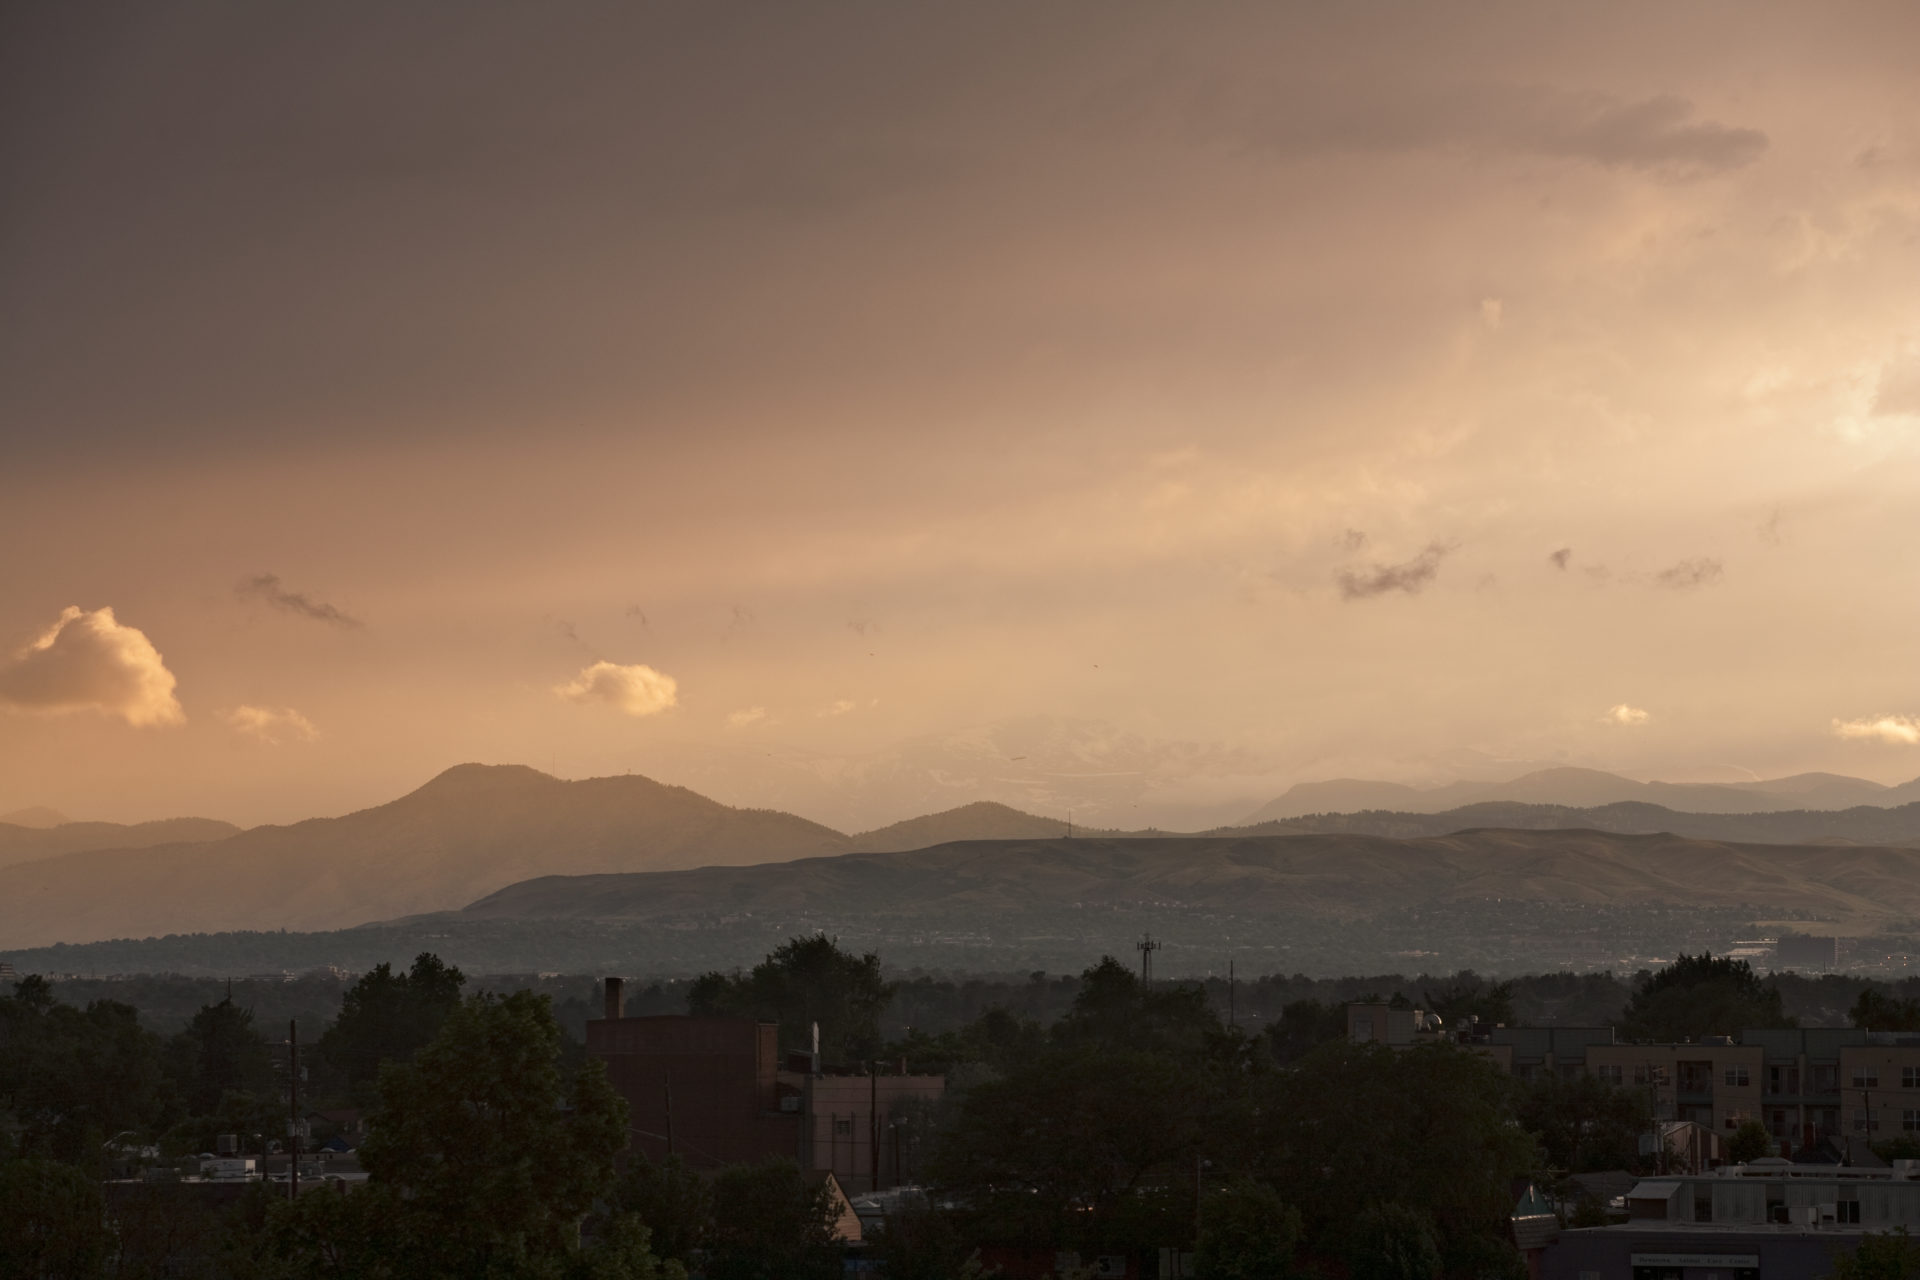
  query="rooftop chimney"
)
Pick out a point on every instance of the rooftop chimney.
point(616, 1003)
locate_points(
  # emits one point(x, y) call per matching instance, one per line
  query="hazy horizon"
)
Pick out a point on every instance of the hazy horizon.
point(1135, 408)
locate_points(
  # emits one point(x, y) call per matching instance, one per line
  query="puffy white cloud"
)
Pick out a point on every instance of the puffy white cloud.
point(272, 725)
point(637, 690)
point(1904, 730)
point(1624, 714)
point(746, 716)
point(91, 662)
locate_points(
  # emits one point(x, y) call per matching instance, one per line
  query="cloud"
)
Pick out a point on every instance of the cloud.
point(1410, 576)
point(1354, 540)
point(1492, 312)
point(1624, 714)
point(1700, 571)
point(267, 587)
point(840, 708)
point(637, 690)
point(271, 725)
point(1656, 134)
point(1903, 730)
point(1561, 557)
point(745, 716)
point(89, 661)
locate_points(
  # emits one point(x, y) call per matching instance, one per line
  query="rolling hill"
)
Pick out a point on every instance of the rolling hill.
point(1343, 875)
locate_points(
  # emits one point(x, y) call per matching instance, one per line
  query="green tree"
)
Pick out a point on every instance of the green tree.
point(1303, 1026)
point(1889, 1255)
point(922, 1241)
point(483, 1160)
point(1749, 1142)
point(1583, 1122)
point(1877, 1012)
point(1430, 1127)
point(1392, 1242)
point(389, 1017)
point(220, 1053)
point(72, 1079)
point(1699, 996)
point(52, 1221)
point(805, 981)
point(771, 1223)
point(675, 1202)
point(1469, 995)
point(1246, 1233)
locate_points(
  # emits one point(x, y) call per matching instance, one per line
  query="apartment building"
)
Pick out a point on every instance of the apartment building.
point(1807, 1085)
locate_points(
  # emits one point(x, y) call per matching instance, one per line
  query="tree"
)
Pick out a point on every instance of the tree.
point(771, 1223)
point(1246, 1233)
point(675, 1202)
point(72, 1079)
point(1873, 1011)
point(1583, 1122)
point(922, 1241)
point(1699, 996)
point(389, 1017)
point(1471, 996)
point(802, 982)
point(1749, 1142)
point(220, 1053)
point(1303, 1026)
point(53, 1223)
point(1392, 1242)
point(1889, 1255)
point(1430, 1127)
point(482, 1160)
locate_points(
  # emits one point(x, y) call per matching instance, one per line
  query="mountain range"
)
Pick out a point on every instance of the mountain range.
point(477, 829)
point(24, 842)
point(1586, 788)
point(468, 832)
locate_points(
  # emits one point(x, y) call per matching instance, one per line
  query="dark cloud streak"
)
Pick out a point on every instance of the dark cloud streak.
point(1700, 571)
point(1409, 576)
point(268, 589)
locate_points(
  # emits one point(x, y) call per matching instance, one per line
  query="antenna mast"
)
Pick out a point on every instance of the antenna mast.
point(1146, 947)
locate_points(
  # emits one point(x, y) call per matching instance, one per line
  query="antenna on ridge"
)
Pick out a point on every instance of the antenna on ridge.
point(1146, 947)
point(1069, 824)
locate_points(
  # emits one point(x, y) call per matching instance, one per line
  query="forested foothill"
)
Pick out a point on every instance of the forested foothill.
point(1088, 1112)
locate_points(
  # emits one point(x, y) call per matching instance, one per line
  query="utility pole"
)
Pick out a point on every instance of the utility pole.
point(293, 1108)
point(873, 1125)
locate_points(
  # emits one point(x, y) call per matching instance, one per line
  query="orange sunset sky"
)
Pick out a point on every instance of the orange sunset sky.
point(866, 409)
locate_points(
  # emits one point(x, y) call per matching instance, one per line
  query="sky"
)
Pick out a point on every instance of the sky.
point(867, 409)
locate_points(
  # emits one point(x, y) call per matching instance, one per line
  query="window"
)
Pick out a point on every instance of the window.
point(1866, 1077)
point(1737, 1076)
point(1643, 1074)
point(1863, 1121)
point(1608, 1072)
point(1910, 1077)
point(1910, 1121)
point(843, 1128)
point(1847, 1211)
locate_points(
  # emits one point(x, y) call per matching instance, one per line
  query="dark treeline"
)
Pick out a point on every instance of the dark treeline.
point(936, 1001)
point(1092, 1112)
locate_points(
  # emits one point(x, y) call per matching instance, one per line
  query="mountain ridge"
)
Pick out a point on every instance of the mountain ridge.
point(1586, 788)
